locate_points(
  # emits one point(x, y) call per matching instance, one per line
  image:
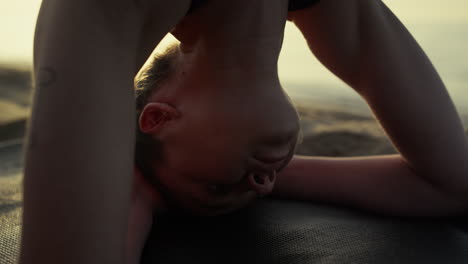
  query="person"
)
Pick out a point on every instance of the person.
point(214, 124)
point(80, 143)
point(367, 47)
point(82, 69)
point(198, 132)
point(374, 54)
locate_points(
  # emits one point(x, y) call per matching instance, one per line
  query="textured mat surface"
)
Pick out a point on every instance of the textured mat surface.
point(10, 201)
point(10, 218)
point(274, 231)
point(269, 231)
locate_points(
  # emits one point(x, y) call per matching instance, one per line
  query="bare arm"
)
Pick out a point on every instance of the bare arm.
point(384, 184)
point(79, 155)
point(364, 44)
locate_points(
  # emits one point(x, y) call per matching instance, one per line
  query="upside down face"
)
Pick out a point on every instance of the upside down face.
point(224, 148)
point(226, 132)
point(225, 154)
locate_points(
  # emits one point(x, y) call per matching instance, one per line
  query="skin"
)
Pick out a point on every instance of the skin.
point(78, 63)
point(78, 165)
point(427, 178)
point(370, 50)
point(203, 110)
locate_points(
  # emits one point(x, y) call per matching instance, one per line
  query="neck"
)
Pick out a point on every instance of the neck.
point(233, 35)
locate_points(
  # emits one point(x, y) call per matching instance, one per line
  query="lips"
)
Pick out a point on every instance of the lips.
point(272, 161)
point(273, 156)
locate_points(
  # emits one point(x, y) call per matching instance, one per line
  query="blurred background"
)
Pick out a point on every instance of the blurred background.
point(330, 110)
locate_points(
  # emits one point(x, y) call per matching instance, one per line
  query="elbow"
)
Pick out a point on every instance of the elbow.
point(459, 194)
point(458, 175)
point(455, 202)
point(452, 180)
point(460, 186)
point(462, 196)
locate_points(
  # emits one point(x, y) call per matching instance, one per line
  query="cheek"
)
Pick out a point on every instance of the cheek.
point(206, 159)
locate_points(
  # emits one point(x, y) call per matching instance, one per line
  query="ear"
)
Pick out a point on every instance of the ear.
point(155, 115)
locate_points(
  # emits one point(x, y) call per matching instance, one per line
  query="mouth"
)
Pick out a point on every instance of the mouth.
point(276, 155)
point(272, 162)
point(275, 159)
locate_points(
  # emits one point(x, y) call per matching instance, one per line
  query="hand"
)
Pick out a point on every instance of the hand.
point(144, 201)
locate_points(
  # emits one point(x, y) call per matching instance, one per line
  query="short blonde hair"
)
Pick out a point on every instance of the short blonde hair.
point(151, 79)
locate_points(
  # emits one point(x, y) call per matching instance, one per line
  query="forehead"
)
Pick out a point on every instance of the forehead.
point(225, 149)
point(235, 140)
point(232, 129)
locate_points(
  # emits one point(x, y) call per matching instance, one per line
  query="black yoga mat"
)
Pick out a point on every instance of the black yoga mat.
point(289, 232)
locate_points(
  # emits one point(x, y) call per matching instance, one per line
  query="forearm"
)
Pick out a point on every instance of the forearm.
point(381, 184)
point(363, 43)
point(83, 81)
point(79, 155)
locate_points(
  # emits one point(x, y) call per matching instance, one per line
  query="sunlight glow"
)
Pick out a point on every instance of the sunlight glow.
point(18, 19)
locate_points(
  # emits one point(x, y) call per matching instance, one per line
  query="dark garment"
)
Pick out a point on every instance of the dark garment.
point(196, 4)
point(293, 4)
point(300, 4)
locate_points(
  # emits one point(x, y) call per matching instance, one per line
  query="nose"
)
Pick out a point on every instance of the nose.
point(262, 182)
